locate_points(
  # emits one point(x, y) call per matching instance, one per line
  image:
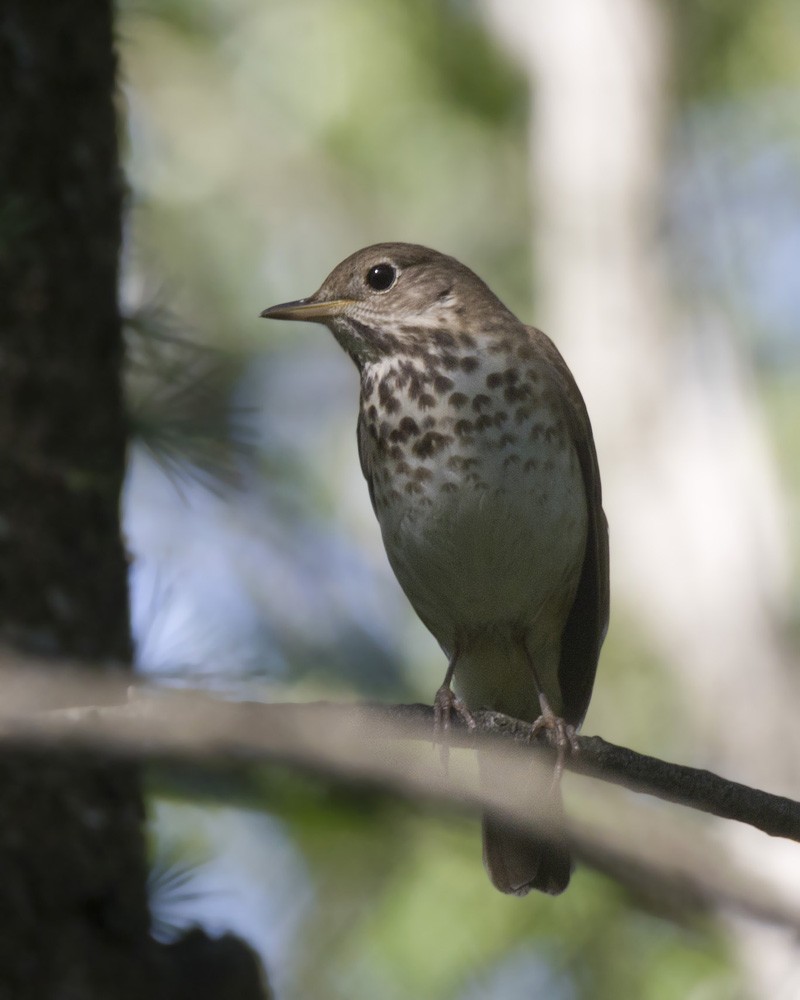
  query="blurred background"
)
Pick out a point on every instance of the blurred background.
point(624, 174)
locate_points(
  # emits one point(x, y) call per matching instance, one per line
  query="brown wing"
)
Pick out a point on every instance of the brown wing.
point(587, 623)
point(366, 467)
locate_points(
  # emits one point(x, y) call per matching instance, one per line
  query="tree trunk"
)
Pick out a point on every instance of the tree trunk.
point(73, 906)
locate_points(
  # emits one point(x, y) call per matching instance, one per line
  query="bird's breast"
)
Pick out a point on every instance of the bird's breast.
point(477, 488)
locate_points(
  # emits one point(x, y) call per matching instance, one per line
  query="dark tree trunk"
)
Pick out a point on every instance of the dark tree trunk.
point(73, 907)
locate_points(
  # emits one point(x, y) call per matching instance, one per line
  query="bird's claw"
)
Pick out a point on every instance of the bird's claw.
point(445, 705)
point(560, 735)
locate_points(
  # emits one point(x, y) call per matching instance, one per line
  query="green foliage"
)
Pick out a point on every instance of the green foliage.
point(466, 68)
point(731, 47)
point(404, 910)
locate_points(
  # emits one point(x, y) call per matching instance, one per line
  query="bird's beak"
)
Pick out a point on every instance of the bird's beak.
point(310, 309)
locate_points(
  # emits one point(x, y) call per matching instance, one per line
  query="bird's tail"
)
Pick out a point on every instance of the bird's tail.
point(516, 860)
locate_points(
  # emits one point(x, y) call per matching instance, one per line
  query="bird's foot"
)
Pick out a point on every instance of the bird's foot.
point(446, 705)
point(560, 735)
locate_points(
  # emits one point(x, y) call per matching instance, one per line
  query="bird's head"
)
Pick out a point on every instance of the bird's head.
point(399, 297)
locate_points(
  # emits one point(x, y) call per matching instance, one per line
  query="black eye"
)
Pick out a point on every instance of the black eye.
point(381, 277)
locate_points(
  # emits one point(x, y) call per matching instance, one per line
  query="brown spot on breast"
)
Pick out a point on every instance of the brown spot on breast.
point(531, 464)
point(457, 400)
point(483, 421)
point(449, 361)
point(372, 413)
point(421, 473)
point(416, 383)
point(502, 346)
point(467, 340)
point(500, 418)
point(469, 363)
point(406, 372)
point(494, 379)
point(522, 413)
point(367, 385)
point(448, 487)
point(533, 374)
point(396, 452)
point(402, 468)
point(535, 432)
point(515, 393)
point(480, 401)
point(426, 401)
point(442, 338)
point(511, 460)
point(413, 487)
point(507, 439)
point(442, 384)
point(408, 426)
point(430, 443)
point(387, 399)
point(463, 427)
point(510, 376)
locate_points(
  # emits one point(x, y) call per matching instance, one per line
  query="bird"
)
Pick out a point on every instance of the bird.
point(481, 466)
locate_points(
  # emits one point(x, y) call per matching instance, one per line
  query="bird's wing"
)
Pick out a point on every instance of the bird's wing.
point(363, 457)
point(587, 623)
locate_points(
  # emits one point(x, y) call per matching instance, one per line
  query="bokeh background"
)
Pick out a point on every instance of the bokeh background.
point(623, 173)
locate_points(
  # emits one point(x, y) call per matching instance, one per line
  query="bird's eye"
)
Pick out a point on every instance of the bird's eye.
point(381, 277)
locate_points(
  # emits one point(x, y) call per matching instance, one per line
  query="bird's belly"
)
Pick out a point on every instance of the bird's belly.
point(495, 544)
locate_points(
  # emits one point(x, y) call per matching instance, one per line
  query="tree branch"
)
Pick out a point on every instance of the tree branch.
point(686, 786)
point(390, 748)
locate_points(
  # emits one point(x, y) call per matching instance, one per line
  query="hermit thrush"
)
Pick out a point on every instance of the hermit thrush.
point(481, 467)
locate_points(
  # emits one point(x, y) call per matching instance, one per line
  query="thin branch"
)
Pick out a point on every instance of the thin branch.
point(389, 748)
point(687, 786)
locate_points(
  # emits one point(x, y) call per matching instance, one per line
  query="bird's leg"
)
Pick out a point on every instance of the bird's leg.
point(561, 735)
point(445, 705)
